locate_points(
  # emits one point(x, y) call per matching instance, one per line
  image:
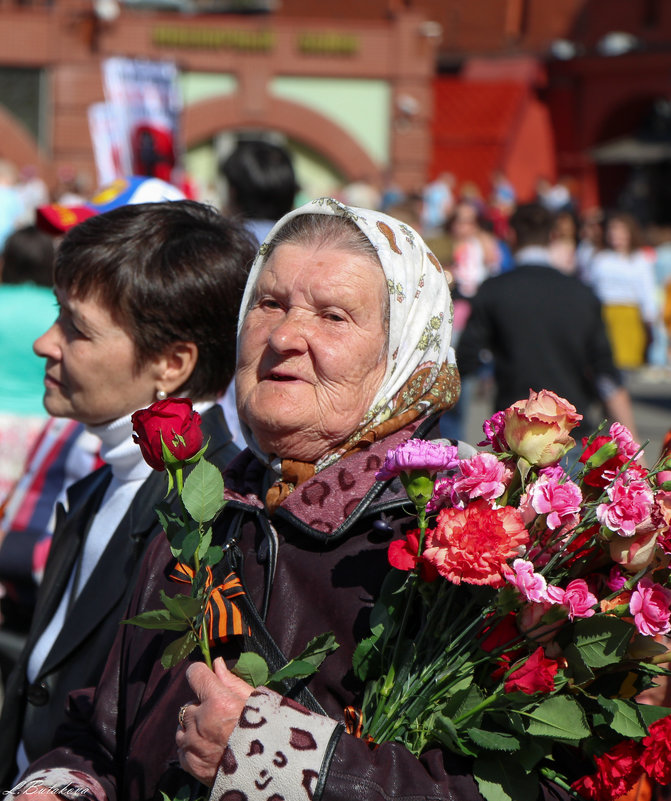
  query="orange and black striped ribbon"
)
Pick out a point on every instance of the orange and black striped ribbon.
point(222, 617)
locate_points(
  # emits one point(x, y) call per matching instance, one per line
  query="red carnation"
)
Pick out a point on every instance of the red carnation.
point(602, 475)
point(536, 675)
point(656, 758)
point(176, 422)
point(474, 544)
point(402, 555)
point(617, 771)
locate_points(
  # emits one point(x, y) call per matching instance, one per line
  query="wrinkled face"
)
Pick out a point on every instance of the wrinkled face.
point(312, 349)
point(90, 373)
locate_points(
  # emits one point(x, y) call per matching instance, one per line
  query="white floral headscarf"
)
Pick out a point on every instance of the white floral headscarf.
point(421, 374)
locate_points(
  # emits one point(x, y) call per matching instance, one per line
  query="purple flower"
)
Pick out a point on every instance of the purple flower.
point(417, 454)
point(443, 495)
point(616, 579)
point(493, 429)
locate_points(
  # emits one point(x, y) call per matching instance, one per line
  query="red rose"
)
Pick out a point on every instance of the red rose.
point(537, 674)
point(173, 419)
point(616, 773)
point(656, 759)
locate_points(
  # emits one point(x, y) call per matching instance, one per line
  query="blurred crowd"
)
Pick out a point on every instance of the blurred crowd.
point(628, 268)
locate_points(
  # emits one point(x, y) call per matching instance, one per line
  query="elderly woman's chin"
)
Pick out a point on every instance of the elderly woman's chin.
point(294, 427)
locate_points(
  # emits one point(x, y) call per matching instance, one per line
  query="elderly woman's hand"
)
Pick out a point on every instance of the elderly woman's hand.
point(208, 722)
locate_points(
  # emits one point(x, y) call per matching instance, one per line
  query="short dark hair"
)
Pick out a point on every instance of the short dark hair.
point(166, 272)
point(28, 257)
point(261, 180)
point(532, 224)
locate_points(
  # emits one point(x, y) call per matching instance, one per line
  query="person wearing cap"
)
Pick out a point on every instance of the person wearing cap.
point(148, 299)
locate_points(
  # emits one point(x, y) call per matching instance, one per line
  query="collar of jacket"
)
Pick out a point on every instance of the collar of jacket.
point(329, 504)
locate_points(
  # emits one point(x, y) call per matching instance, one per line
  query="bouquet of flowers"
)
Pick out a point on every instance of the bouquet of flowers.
point(528, 611)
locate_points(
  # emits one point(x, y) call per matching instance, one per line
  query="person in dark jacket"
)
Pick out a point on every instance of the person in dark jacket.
point(343, 352)
point(148, 297)
point(543, 329)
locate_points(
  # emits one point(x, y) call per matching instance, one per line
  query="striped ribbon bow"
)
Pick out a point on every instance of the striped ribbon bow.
point(222, 617)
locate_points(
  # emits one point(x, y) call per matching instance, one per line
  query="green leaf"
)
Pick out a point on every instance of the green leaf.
point(651, 713)
point(603, 639)
point(532, 752)
point(178, 650)
point(190, 545)
point(502, 779)
point(251, 668)
point(170, 521)
point(577, 669)
point(204, 543)
point(184, 542)
point(157, 619)
point(623, 717)
point(494, 740)
point(214, 555)
point(307, 663)
point(319, 648)
point(366, 657)
point(558, 717)
point(203, 493)
point(182, 607)
point(445, 732)
point(295, 669)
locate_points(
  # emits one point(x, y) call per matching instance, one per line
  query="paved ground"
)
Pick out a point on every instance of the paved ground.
point(650, 390)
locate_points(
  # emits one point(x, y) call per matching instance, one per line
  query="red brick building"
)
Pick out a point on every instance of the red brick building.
point(580, 88)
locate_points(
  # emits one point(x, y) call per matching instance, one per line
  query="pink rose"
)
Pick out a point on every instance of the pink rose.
point(579, 601)
point(649, 604)
point(538, 429)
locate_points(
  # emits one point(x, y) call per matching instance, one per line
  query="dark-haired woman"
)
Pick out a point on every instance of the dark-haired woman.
point(148, 299)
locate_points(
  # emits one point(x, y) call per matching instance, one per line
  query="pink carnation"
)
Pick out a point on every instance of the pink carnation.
point(631, 501)
point(616, 579)
point(474, 544)
point(578, 599)
point(482, 476)
point(443, 495)
point(530, 585)
point(649, 605)
point(417, 454)
point(559, 501)
point(625, 442)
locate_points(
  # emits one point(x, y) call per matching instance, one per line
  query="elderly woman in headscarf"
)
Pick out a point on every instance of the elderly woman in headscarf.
point(343, 352)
